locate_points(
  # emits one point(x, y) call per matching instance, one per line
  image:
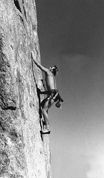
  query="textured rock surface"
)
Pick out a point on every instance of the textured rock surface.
point(23, 152)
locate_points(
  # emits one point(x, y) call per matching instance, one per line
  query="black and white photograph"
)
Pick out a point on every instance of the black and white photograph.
point(51, 89)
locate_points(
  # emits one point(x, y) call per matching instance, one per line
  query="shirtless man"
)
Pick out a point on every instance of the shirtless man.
point(52, 93)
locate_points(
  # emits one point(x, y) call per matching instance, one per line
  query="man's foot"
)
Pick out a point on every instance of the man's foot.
point(58, 104)
point(45, 131)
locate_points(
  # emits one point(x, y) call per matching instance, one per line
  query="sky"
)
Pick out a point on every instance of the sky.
point(71, 36)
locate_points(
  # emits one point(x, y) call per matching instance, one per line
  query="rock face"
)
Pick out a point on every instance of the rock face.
point(24, 153)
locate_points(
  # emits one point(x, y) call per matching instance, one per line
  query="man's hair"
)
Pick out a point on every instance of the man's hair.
point(54, 69)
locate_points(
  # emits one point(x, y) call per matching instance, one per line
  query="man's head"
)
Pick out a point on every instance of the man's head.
point(54, 70)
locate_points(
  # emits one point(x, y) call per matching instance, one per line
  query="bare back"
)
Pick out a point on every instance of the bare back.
point(50, 81)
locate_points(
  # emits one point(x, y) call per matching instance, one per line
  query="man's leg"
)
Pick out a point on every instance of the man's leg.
point(57, 100)
point(52, 99)
point(45, 105)
point(44, 121)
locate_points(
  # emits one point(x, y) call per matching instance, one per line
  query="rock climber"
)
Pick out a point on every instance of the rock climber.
point(53, 95)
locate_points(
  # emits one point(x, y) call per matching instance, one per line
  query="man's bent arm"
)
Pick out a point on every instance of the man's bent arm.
point(44, 69)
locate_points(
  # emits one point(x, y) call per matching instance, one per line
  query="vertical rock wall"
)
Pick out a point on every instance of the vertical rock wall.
point(23, 152)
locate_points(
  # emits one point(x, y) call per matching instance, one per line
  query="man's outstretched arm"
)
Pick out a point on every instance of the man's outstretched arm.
point(44, 69)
